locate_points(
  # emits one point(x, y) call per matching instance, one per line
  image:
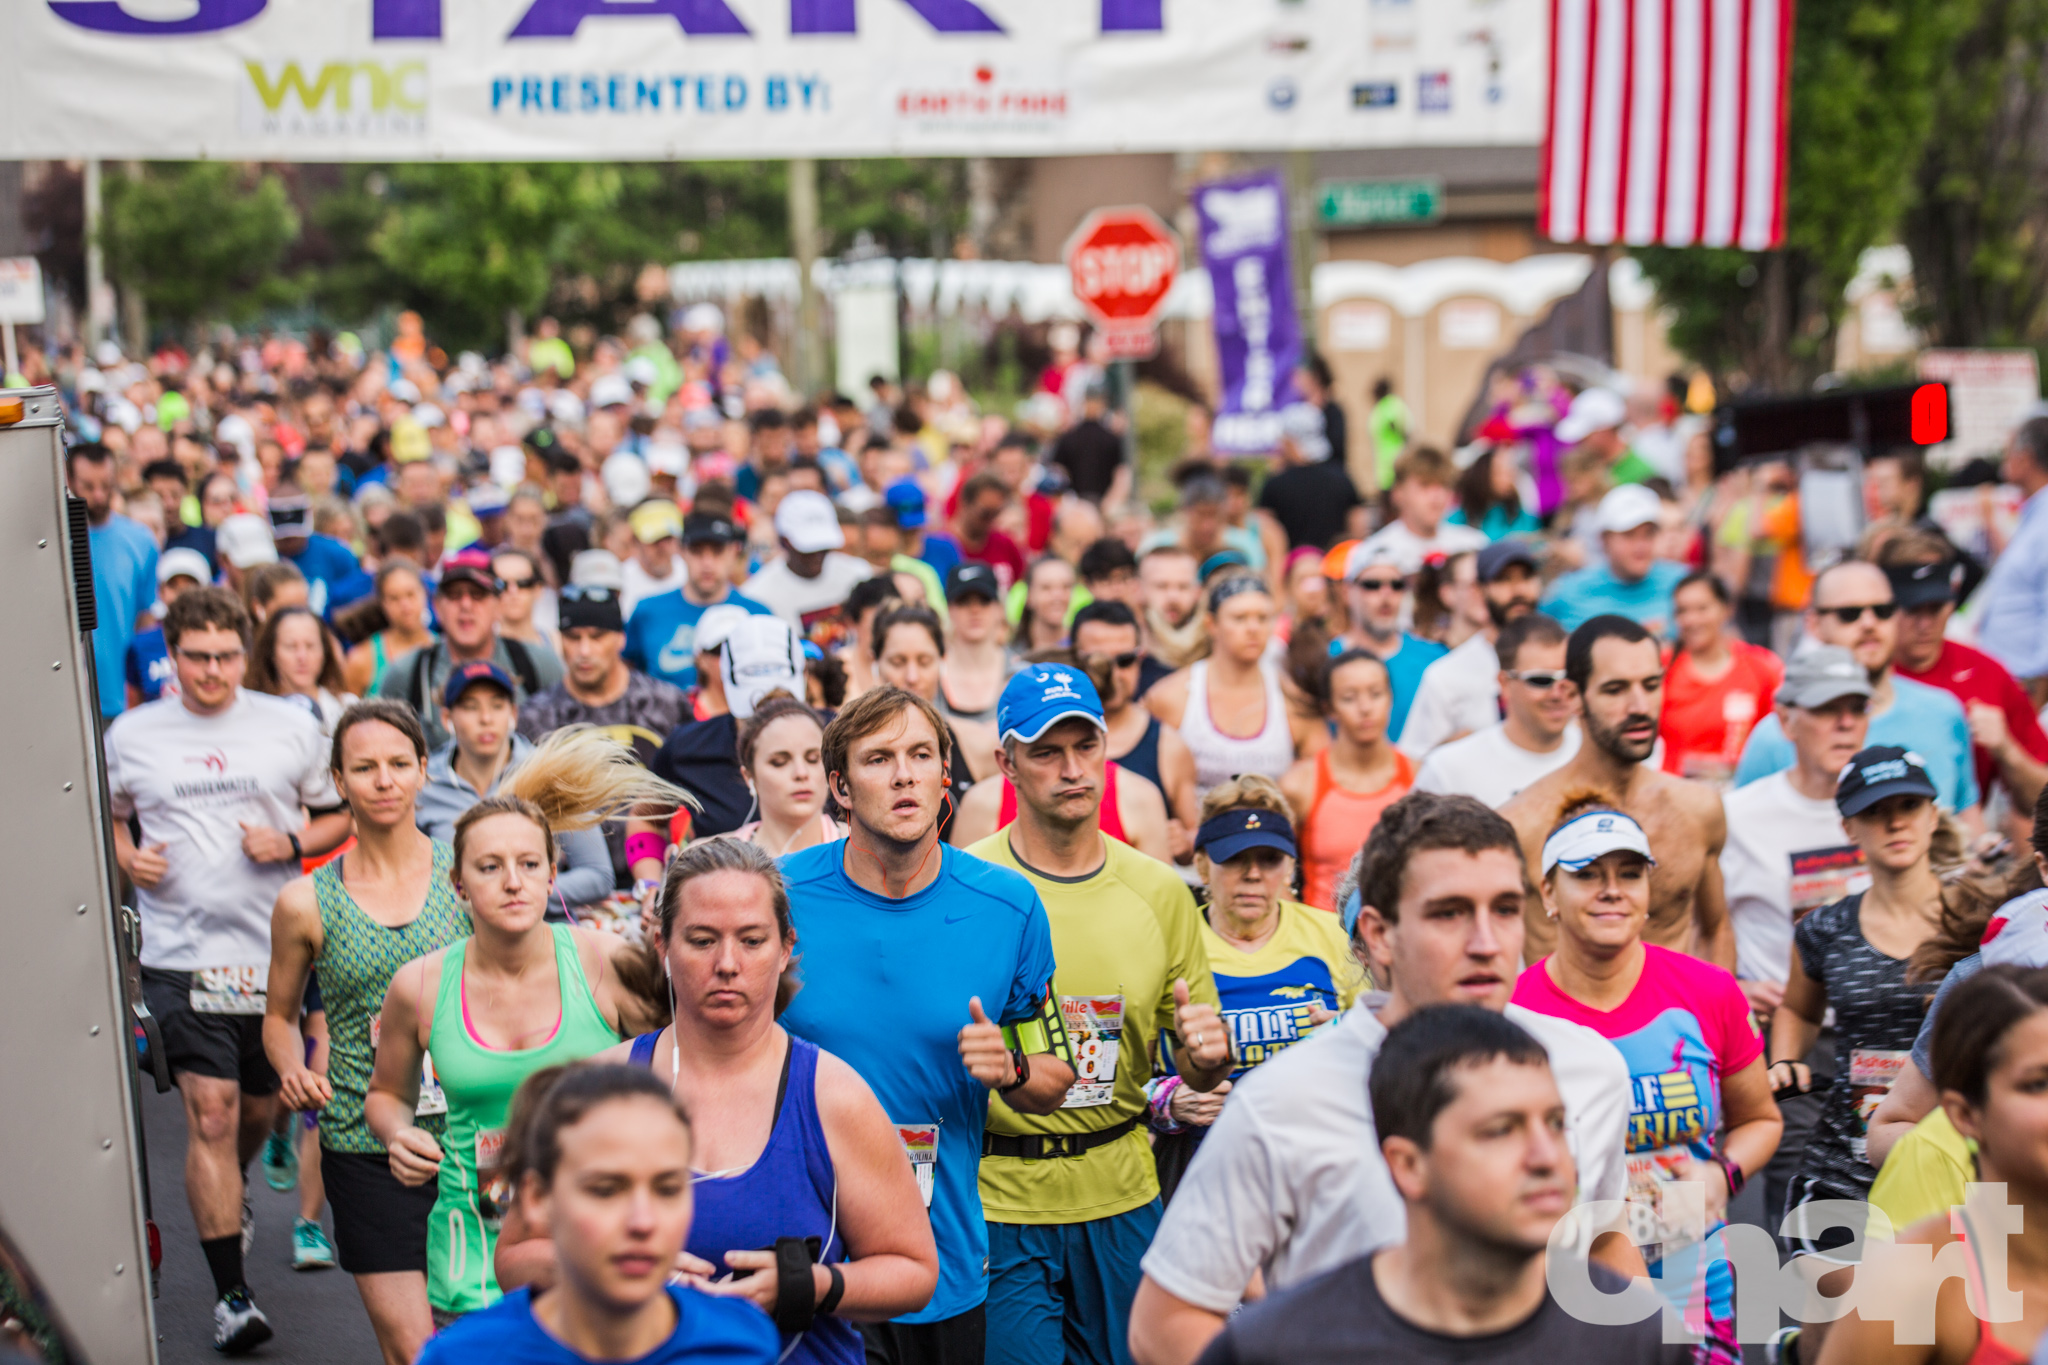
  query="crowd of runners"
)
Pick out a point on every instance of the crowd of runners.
point(670, 868)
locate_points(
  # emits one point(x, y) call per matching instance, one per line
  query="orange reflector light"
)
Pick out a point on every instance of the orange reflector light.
point(12, 410)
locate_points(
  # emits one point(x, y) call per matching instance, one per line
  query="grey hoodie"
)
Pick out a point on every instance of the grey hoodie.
point(588, 877)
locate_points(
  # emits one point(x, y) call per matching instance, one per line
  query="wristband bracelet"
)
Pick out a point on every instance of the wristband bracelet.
point(298, 853)
point(1736, 1179)
point(1159, 1093)
point(643, 846)
point(833, 1292)
point(1021, 1062)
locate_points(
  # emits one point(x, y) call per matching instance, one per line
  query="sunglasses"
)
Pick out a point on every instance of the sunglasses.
point(1542, 679)
point(577, 592)
point(1849, 616)
point(201, 659)
point(1382, 584)
point(521, 583)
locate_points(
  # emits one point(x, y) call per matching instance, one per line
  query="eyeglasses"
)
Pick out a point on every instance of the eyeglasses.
point(579, 592)
point(1126, 660)
point(520, 583)
point(1382, 584)
point(1542, 679)
point(201, 659)
point(1849, 616)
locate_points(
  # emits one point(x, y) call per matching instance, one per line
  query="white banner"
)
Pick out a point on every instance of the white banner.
point(328, 80)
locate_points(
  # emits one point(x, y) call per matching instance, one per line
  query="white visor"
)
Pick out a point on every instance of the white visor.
point(1593, 835)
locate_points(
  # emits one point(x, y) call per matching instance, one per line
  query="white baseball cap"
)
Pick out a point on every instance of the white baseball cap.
point(716, 624)
point(1584, 838)
point(609, 389)
point(186, 562)
point(597, 569)
point(1630, 506)
point(625, 478)
point(640, 369)
point(1369, 552)
point(1594, 410)
point(806, 519)
point(761, 655)
point(244, 541)
point(508, 466)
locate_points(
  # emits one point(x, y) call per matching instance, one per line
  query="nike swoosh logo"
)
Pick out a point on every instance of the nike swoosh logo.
point(955, 916)
point(680, 652)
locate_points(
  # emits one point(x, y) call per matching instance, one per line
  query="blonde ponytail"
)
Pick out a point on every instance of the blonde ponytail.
point(576, 778)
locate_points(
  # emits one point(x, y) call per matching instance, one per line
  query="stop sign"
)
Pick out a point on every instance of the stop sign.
point(1123, 262)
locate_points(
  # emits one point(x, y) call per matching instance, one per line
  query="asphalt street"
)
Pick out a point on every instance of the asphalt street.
point(316, 1314)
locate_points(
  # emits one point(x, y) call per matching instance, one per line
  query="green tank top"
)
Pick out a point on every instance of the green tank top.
point(358, 957)
point(479, 1082)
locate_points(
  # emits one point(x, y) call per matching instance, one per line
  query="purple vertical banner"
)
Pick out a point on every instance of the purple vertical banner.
point(1258, 337)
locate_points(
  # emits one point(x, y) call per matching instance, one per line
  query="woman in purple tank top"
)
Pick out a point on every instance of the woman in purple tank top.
point(791, 1145)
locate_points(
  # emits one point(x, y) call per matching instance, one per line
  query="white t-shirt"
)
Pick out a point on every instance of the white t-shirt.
point(1459, 695)
point(1290, 1180)
point(1491, 767)
point(193, 781)
point(1409, 550)
point(793, 598)
point(639, 585)
point(1786, 854)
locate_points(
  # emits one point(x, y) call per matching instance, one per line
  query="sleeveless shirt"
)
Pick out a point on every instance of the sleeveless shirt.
point(1220, 757)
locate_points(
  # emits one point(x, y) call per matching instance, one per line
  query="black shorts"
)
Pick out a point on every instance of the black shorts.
point(380, 1225)
point(958, 1340)
point(227, 1047)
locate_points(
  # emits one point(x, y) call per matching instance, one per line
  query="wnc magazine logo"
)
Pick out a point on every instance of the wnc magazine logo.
point(337, 99)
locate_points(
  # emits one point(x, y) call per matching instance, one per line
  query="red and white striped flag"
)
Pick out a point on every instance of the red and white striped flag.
point(1667, 122)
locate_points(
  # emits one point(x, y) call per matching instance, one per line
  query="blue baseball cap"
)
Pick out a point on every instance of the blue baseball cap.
point(1231, 832)
point(906, 499)
point(1042, 696)
point(469, 675)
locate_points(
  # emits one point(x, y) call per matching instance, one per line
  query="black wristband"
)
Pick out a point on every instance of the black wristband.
point(1020, 1061)
point(796, 1297)
point(298, 853)
point(833, 1292)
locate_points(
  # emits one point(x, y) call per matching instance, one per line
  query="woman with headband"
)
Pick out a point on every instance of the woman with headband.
point(1703, 1109)
point(1230, 708)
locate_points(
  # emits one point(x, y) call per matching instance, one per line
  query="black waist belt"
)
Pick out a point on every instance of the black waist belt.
point(1040, 1146)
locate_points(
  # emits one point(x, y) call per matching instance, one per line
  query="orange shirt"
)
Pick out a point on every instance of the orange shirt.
point(1338, 822)
point(1705, 723)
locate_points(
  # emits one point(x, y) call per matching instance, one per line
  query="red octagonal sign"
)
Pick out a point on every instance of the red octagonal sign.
point(1123, 262)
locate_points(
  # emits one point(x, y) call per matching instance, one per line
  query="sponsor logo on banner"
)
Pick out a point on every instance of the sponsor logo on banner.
point(334, 99)
point(1375, 95)
point(1433, 92)
point(985, 98)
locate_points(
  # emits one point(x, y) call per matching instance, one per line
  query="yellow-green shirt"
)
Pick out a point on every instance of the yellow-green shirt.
point(1267, 993)
point(1925, 1173)
point(1121, 938)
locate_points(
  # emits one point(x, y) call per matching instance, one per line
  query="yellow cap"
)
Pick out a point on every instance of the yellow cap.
point(656, 521)
point(409, 442)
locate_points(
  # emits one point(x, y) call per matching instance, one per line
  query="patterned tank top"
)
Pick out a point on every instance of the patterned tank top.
point(358, 957)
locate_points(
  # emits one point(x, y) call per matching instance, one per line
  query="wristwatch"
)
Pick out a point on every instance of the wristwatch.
point(1020, 1063)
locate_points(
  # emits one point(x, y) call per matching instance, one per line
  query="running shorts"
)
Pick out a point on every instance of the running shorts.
point(227, 1047)
point(380, 1225)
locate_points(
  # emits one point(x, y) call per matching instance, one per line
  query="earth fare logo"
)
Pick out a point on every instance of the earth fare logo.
point(337, 99)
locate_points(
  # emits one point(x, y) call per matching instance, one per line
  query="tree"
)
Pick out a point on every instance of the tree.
point(1864, 93)
point(1978, 225)
point(200, 239)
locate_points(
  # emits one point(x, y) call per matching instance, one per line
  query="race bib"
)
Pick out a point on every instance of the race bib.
point(493, 1193)
point(1663, 1215)
point(229, 990)
point(921, 1144)
point(1871, 1075)
point(431, 1100)
point(1822, 876)
point(1095, 1030)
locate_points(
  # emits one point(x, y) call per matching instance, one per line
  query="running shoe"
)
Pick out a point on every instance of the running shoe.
point(1783, 1347)
point(280, 1162)
point(238, 1324)
point(310, 1248)
point(248, 1227)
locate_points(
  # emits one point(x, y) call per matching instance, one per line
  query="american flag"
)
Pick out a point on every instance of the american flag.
point(1667, 122)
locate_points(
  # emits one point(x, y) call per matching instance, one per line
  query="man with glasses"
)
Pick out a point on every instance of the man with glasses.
point(230, 790)
point(1461, 695)
point(1106, 639)
point(1540, 734)
point(661, 632)
point(1853, 607)
point(1376, 575)
point(466, 606)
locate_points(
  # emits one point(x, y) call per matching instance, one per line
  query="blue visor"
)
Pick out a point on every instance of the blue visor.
point(1232, 832)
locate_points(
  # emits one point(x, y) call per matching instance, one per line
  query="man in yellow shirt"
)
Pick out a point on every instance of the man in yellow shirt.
point(1072, 1198)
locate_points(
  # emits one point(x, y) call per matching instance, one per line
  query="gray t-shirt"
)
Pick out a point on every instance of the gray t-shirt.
point(1923, 1044)
point(1341, 1317)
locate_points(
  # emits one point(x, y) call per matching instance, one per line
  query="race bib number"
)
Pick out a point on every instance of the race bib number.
point(493, 1193)
point(1871, 1076)
point(921, 1144)
point(431, 1100)
point(1095, 1031)
point(1664, 1216)
point(230, 990)
point(1822, 876)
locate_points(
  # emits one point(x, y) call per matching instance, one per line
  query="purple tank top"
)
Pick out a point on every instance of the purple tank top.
point(787, 1192)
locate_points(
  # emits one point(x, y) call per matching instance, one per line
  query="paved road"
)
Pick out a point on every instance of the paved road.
point(317, 1315)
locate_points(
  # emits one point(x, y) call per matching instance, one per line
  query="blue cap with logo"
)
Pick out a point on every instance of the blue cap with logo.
point(905, 498)
point(1228, 833)
point(466, 676)
point(1041, 697)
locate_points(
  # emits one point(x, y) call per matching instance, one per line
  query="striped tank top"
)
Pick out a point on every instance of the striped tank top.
point(358, 957)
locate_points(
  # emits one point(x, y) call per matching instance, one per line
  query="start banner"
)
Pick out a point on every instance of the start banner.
point(331, 80)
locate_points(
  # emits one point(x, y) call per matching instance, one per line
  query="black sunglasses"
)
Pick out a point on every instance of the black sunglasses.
point(1381, 584)
point(519, 582)
point(1543, 679)
point(1849, 616)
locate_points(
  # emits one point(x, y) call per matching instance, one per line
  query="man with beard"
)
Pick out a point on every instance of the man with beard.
point(1172, 593)
point(1460, 693)
point(1619, 673)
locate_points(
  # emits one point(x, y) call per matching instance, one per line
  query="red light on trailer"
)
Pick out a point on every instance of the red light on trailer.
point(1930, 414)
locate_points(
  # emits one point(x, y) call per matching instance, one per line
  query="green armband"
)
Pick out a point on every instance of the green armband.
point(1043, 1032)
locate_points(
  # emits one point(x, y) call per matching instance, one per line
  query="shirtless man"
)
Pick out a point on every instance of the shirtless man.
point(1619, 673)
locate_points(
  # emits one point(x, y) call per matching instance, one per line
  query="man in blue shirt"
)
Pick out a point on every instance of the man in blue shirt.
point(123, 571)
point(334, 577)
point(661, 635)
point(929, 972)
point(1633, 582)
point(1375, 594)
point(2012, 621)
point(149, 670)
point(1853, 607)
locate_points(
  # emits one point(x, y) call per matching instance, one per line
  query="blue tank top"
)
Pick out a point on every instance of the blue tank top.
point(787, 1192)
point(1143, 759)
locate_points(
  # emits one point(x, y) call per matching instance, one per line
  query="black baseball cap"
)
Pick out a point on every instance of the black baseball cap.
point(1923, 585)
point(705, 528)
point(1497, 558)
point(969, 579)
point(584, 605)
point(1878, 772)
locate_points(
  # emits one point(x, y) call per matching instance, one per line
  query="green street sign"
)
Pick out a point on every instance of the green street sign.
point(1379, 203)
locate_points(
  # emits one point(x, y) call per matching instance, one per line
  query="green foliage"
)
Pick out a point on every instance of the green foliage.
point(200, 239)
point(1866, 76)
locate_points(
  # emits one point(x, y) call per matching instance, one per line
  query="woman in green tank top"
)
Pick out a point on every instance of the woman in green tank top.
point(357, 920)
point(517, 995)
